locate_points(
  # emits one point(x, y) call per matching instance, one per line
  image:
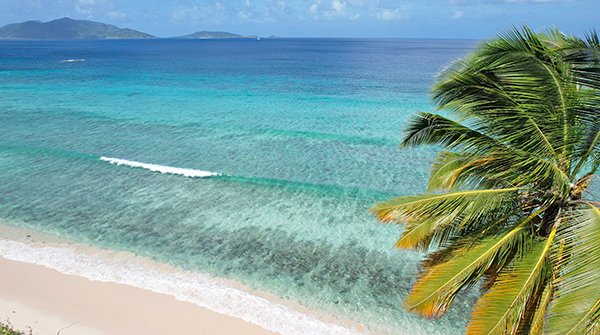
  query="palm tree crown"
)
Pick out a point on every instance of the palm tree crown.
point(506, 206)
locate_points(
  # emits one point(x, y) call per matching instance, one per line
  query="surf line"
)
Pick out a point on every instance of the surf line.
point(193, 173)
point(72, 60)
point(161, 168)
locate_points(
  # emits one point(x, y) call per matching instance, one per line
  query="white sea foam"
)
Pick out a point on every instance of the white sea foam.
point(161, 168)
point(72, 60)
point(185, 286)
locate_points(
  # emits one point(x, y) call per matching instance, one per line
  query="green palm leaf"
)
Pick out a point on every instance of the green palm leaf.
point(423, 215)
point(522, 134)
point(454, 171)
point(516, 169)
point(584, 55)
point(510, 121)
point(576, 307)
point(539, 314)
point(438, 285)
point(428, 128)
point(445, 170)
point(589, 145)
point(499, 310)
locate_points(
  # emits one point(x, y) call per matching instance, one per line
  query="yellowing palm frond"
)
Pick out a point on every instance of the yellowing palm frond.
point(500, 309)
point(576, 308)
point(521, 129)
point(438, 285)
point(539, 317)
point(423, 215)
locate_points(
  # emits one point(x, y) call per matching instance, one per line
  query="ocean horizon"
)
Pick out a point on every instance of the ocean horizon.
point(251, 161)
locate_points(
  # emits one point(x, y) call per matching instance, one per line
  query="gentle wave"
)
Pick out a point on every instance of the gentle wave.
point(161, 168)
point(252, 180)
point(80, 60)
point(184, 286)
point(283, 183)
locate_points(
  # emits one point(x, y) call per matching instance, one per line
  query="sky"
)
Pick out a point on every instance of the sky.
point(318, 18)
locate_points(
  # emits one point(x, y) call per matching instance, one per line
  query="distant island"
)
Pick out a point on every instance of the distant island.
point(68, 29)
point(213, 35)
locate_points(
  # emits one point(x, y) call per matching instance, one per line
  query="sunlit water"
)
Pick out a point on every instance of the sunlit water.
point(286, 144)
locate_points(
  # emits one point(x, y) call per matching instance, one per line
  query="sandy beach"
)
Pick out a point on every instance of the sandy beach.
point(53, 285)
point(49, 301)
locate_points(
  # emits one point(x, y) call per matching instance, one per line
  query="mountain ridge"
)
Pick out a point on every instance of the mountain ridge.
point(68, 29)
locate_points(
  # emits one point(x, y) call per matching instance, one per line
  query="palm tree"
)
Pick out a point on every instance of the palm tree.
point(506, 206)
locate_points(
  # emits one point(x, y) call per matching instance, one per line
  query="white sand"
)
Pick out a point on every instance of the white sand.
point(50, 283)
point(48, 301)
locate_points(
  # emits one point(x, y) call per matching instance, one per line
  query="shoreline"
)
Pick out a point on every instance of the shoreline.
point(48, 302)
point(30, 256)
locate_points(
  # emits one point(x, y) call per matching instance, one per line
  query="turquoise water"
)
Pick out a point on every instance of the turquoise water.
point(304, 133)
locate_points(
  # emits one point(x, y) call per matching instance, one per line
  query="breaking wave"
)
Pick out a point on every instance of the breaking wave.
point(161, 168)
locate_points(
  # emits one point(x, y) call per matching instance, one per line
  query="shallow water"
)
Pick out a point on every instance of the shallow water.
point(298, 138)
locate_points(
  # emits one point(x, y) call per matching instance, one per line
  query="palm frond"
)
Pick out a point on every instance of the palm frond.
point(499, 169)
point(576, 307)
point(425, 214)
point(437, 286)
point(506, 120)
point(519, 89)
point(521, 170)
point(444, 170)
point(428, 128)
point(523, 143)
point(500, 309)
point(450, 171)
point(589, 145)
point(539, 317)
point(584, 55)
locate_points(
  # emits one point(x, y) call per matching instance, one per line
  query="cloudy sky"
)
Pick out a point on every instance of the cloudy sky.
point(318, 18)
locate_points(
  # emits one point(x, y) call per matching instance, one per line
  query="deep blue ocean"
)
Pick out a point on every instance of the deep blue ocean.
point(301, 135)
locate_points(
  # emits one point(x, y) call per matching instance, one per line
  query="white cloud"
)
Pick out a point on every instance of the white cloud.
point(332, 10)
point(457, 14)
point(534, 1)
point(338, 6)
point(91, 8)
point(185, 13)
point(281, 4)
point(208, 13)
point(83, 10)
point(116, 14)
point(219, 6)
point(242, 15)
point(496, 2)
point(460, 2)
point(34, 4)
point(391, 14)
point(89, 2)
